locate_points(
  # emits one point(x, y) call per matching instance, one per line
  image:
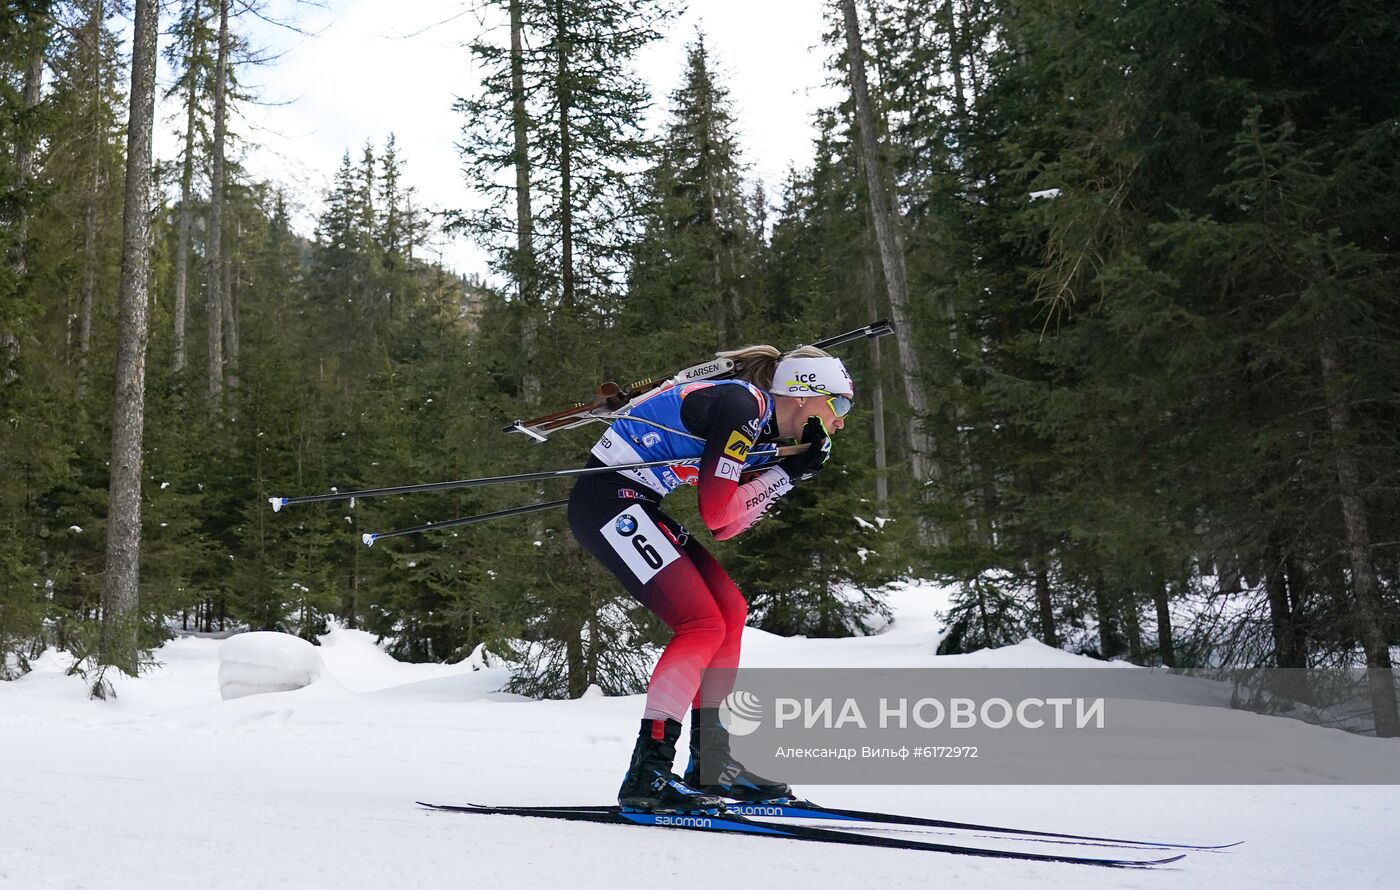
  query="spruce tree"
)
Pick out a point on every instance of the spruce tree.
point(120, 595)
point(692, 267)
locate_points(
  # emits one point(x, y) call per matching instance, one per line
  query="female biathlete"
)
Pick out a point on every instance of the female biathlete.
point(616, 517)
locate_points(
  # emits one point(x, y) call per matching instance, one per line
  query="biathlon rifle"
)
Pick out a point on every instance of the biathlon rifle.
point(610, 398)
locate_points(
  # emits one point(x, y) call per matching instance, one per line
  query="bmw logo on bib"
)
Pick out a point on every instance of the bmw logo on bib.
point(638, 541)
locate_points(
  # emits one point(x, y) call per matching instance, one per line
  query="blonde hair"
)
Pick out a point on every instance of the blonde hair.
point(757, 364)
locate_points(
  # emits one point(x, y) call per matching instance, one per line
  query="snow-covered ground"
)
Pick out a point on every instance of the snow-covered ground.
point(171, 786)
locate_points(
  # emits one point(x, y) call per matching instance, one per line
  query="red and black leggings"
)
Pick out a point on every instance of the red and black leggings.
point(669, 572)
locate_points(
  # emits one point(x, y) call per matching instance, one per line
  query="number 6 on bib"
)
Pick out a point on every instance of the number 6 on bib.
point(640, 542)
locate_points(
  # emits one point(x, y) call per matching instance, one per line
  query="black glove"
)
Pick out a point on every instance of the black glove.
point(807, 464)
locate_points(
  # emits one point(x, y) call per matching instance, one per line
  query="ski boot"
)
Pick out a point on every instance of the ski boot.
point(651, 787)
point(710, 759)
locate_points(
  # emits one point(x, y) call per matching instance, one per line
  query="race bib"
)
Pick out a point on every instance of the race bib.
point(640, 542)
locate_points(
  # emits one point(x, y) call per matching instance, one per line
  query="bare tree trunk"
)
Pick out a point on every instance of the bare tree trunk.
point(520, 126)
point(1044, 603)
point(89, 276)
point(94, 39)
point(232, 265)
point(213, 297)
point(24, 150)
point(1110, 645)
point(1133, 626)
point(526, 262)
point(1280, 609)
point(974, 81)
point(1166, 646)
point(1368, 610)
point(526, 270)
point(186, 220)
point(121, 584)
point(38, 26)
point(230, 325)
point(566, 148)
point(352, 609)
point(595, 634)
point(574, 657)
point(9, 357)
point(1297, 593)
point(955, 63)
point(877, 398)
point(884, 218)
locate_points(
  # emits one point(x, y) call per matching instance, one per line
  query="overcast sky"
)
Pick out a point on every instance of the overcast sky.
point(379, 66)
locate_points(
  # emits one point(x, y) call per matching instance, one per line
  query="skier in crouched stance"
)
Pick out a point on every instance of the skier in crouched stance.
point(616, 517)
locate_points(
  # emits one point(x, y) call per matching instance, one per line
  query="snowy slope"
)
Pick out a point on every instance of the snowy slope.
point(170, 786)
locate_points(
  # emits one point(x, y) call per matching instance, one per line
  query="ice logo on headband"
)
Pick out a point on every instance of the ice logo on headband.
point(812, 375)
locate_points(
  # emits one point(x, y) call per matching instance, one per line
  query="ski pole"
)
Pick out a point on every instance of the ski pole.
point(278, 502)
point(370, 537)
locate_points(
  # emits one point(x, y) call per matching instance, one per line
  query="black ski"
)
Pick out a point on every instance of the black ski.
point(729, 824)
point(804, 809)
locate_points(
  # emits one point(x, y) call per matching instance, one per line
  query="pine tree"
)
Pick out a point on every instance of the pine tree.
point(213, 291)
point(890, 239)
point(190, 54)
point(697, 244)
point(560, 109)
point(1147, 423)
point(122, 577)
point(581, 115)
point(813, 266)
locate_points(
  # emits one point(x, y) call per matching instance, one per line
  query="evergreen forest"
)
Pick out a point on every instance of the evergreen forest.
point(1142, 401)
